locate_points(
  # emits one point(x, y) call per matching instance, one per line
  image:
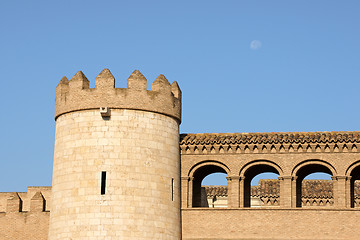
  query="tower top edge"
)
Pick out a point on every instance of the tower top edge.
point(76, 95)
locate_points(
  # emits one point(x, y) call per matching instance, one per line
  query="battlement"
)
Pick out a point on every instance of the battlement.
point(36, 199)
point(75, 95)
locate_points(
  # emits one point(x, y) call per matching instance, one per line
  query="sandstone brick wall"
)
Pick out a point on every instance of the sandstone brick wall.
point(290, 155)
point(25, 215)
point(280, 224)
point(24, 226)
point(287, 165)
point(136, 142)
point(75, 95)
point(140, 153)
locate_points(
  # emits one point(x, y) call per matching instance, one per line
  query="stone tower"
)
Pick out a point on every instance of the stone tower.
point(116, 168)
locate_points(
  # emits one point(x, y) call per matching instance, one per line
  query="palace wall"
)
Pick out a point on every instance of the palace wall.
point(132, 135)
point(25, 215)
point(259, 223)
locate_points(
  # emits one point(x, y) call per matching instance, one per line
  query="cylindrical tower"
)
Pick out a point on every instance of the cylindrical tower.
point(116, 171)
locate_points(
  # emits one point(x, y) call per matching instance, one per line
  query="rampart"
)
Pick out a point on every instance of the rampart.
point(290, 213)
point(25, 215)
point(75, 95)
point(92, 143)
point(116, 171)
point(266, 224)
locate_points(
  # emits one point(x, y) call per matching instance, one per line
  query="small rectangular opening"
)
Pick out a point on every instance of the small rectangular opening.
point(172, 189)
point(103, 182)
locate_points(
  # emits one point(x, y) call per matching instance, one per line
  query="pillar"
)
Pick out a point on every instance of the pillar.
point(241, 191)
point(233, 191)
point(340, 194)
point(286, 185)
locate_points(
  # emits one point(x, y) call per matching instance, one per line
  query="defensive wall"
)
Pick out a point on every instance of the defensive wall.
point(292, 156)
point(153, 173)
point(116, 171)
point(25, 215)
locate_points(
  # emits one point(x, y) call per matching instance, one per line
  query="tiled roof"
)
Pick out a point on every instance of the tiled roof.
point(271, 188)
point(266, 138)
point(357, 189)
point(266, 187)
point(317, 189)
point(219, 191)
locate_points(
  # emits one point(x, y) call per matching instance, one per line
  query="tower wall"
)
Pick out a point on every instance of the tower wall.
point(137, 148)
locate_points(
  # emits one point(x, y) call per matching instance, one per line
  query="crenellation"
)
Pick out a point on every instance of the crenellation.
point(163, 98)
point(175, 89)
point(105, 80)
point(63, 84)
point(161, 84)
point(121, 170)
point(37, 203)
point(62, 89)
point(137, 81)
point(78, 82)
point(14, 203)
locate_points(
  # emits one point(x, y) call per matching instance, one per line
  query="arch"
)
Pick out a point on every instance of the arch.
point(198, 165)
point(260, 162)
point(198, 172)
point(353, 173)
point(305, 163)
point(351, 168)
point(304, 168)
point(250, 170)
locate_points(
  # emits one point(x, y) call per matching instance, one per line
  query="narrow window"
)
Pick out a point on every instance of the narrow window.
point(103, 182)
point(172, 189)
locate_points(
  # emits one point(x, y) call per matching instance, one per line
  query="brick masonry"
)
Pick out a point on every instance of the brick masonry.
point(132, 134)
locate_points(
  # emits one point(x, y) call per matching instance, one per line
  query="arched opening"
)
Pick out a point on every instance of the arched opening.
point(213, 195)
point(265, 190)
point(314, 186)
point(258, 194)
point(214, 187)
point(355, 187)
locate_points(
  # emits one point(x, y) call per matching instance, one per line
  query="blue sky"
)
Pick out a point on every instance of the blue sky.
point(301, 74)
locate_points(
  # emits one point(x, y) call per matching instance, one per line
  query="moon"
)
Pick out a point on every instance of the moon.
point(255, 44)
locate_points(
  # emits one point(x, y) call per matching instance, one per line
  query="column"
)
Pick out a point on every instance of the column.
point(233, 191)
point(349, 192)
point(286, 191)
point(184, 192)
point(241, 191)
point(190, 192)
point(294, 191)
point(340, 194)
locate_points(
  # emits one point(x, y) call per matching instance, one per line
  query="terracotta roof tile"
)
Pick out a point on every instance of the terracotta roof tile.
point(266, 138)
point(219, 191)
point(317, 188)
point(271, 187)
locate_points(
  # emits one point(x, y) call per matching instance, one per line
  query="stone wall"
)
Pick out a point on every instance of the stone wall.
point(116, 171)
point(139, 152)
point(262, 224)
point(292, 156)
point(25, 215)
point(131, 136)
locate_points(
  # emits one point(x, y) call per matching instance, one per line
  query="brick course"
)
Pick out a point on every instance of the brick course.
point(133, 135)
